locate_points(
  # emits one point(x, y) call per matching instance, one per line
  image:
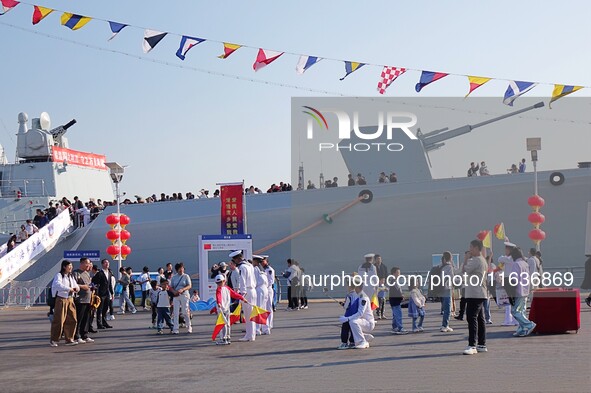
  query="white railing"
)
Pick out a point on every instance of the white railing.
point(22, 188)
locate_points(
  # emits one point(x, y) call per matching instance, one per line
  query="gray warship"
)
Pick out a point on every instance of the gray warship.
point(327, 229)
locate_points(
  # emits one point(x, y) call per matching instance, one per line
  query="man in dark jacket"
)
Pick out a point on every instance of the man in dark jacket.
point(102, 279)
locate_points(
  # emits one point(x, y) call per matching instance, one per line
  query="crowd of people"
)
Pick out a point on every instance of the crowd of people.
point(511, 289)
point(81, 214)
point(482, 170)
point(83, 298)
point(85, 295)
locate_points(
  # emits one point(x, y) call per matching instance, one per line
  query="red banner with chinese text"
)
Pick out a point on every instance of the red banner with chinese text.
point(232, 217)
point(80, 158)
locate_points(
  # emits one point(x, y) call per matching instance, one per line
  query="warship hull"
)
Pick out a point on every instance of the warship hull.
point(404, 222)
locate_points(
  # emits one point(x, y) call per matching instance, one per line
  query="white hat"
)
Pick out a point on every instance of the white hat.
point(369, 255)
point(258, 257)
point(509, 244)
point(264, 256)
point(220, 278)
point(223, 264)
point(235, 253)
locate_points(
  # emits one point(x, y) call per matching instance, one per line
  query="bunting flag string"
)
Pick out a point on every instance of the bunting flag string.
point(266, 57)
point(186, 44)
point(428, 77)
point(306, 62)
point(151, 39)
point(7, 5)
point(115, 28)
point(229, 49)
point(475, 83)
point(39, 13)
point(515, 90)
point(389, 75)
point(74, 21)
point(351, 67)
point(562, 91)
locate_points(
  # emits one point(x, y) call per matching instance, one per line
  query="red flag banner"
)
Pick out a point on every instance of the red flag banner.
point(232, 213)
point(80, 158)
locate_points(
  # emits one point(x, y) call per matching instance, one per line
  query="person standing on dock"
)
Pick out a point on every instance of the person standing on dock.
point(262, 289)
point(64, 288)
point(369, 274)
point(271, 289)
point(475, 268)
point(247, 288)
point(82, 301)
point(180, 286)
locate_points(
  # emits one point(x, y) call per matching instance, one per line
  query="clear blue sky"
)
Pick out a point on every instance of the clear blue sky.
point(180, 130)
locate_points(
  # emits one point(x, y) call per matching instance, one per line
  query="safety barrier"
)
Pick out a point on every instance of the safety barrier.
point(23, 296)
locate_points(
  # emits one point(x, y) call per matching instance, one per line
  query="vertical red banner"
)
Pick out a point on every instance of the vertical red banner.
point(232, 213)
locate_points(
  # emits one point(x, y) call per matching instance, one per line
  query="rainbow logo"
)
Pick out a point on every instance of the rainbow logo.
point(316, 115)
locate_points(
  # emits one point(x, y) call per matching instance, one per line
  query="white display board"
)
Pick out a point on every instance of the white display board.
point(216, 243)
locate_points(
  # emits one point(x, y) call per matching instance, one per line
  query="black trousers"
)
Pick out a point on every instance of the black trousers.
point(462, 303)
point(83, 320)
point(144, 297)
point(101, 312)
point(346, 334)
point(476, 324)
point(292, 297)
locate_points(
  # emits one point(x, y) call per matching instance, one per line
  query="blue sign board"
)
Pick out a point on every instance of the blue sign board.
point(77, 254)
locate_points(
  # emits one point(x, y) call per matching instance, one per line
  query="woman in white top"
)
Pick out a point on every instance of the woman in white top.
point(22, 234)
point(64, 288)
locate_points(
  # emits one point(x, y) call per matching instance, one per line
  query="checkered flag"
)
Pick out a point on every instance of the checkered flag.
point(389, 74)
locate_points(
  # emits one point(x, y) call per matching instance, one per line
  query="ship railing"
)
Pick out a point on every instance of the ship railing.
point(23, 188)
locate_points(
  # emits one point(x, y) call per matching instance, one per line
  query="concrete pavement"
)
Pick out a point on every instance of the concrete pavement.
point(299, 356)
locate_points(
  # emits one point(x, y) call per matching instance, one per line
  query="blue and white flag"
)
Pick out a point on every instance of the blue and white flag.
point(115, 28)
point(151, 39)
point(515, 90)
point(306, 62)
point(186, 44)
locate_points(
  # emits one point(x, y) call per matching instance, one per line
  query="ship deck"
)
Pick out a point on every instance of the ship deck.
point(299, 356)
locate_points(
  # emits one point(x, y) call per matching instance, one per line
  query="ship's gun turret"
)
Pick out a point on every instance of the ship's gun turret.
point(58, 134)
point(35, 144)
point(435, 139)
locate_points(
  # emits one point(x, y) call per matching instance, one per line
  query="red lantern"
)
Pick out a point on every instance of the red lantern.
point(112, 219)
point(112, 235)
point(125, 251)
point(536, 218)
point(124, 220)
point(536, 202)
point(537, 235)
point(481, 235)
point(113, 251)
point(125, 235)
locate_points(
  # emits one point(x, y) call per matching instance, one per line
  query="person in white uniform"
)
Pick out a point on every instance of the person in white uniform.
point(262, 289)
point(247, 288)
point(362, 322)
point(369, 274)
point(271, 293)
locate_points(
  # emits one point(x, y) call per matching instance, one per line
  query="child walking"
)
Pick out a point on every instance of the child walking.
point(154, 301)
point(163, 307)
point(395, 301)
point(416, 306)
